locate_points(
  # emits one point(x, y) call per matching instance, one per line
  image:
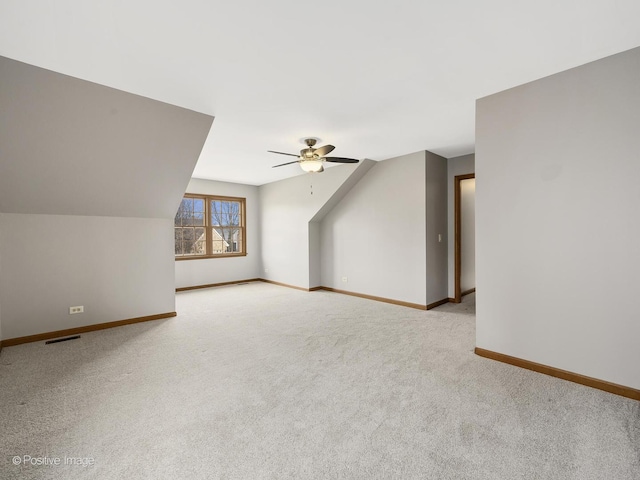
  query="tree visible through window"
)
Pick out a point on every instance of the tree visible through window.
point(208, 226)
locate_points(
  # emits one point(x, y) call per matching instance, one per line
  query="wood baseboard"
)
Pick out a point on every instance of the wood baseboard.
point(377, 299)
point(328, 289)
point(361, 295)
point(563, 374)
point(437, 304)
point(87, 328)
point(287, 285)
point(211, 285)
point(467, 292)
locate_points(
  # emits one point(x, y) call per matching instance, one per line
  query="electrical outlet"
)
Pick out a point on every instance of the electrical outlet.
point(345, 279)
point(74, 310)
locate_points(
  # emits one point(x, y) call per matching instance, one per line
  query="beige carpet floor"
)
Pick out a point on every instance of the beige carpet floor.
point(259, 381)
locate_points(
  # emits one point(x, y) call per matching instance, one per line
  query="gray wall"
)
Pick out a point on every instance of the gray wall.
point(376, 235)
point(436, 227)
point(286, 208)
point(91, 180)
point(117, 268)
point(73, 147)
point(190, 273)
point(455, 166)
point(557, 222)
point(315, 254)
point(1, 228)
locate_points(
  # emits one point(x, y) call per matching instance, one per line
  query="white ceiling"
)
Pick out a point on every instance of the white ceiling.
point(376, 80)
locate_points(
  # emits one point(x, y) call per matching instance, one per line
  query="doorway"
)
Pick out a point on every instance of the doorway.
point(464, 235)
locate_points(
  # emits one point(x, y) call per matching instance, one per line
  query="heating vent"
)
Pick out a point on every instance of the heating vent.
point(61, 339)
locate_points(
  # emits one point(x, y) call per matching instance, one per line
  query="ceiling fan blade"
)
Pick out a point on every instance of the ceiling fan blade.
point(282, 153)
point(341, 160)
point(283, 164)
point(321, 170)
point(322, 151)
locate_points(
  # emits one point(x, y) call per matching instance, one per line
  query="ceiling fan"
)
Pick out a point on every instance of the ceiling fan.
point(311, 159)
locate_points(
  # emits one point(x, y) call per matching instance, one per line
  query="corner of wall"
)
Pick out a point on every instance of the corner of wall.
point(436, 227)
point(287, 208)
point(361, 250)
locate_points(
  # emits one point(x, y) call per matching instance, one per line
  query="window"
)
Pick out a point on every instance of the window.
point(209, 227)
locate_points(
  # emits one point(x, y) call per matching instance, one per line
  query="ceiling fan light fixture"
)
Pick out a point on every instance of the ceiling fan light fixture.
point(311, 165)
point(312, 159)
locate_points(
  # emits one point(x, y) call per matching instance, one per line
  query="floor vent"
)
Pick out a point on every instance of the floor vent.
point(61, 339)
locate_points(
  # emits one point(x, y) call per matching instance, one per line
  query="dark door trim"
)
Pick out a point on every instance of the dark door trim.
point(457, 232)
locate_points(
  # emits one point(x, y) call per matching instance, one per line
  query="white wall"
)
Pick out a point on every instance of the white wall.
point(191, 273)
point(286, 208)
point(436, 227)
point(455, 166)
point(557, 222)
point(117, 268)
point(376, 235)
point(90, 179)
point(315, 254)
point(468, 234)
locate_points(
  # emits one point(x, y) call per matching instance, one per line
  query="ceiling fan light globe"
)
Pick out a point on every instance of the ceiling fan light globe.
point(311, 165)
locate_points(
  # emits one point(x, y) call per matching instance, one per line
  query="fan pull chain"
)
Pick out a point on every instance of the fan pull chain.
point(311, 188)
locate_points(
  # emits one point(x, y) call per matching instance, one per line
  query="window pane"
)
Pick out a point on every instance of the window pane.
point(190, 212)
point(232, 240)
point(182, 212)
point(178, 240)
point(187, 204)
point(216, 212)
point(234, 214)
point(200, 237)
point(218, 242)
point(198, 218)
point(189, 219)
point(238, 240)
point(188, 241)
point(225, 235)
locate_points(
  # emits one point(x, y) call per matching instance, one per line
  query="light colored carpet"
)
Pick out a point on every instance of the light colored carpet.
point(260, 381)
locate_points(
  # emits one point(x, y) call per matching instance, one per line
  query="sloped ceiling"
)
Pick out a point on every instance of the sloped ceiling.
point(375, 79)
point(68, 146)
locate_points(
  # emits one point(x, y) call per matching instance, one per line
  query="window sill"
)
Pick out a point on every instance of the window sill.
point(203, 257)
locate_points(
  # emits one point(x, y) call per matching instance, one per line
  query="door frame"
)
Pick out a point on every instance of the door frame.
point(457, 235)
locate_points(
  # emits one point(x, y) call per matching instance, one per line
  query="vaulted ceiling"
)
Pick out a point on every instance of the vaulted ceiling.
point(375, 79)
point(72, 147)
